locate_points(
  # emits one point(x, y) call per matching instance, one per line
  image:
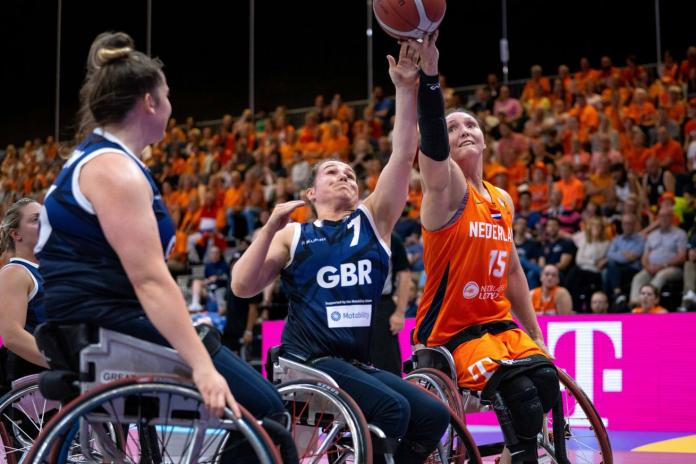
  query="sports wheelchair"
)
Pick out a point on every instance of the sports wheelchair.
point(23, 414)
point(126, 400)
point(572, 433)
point(328, 426)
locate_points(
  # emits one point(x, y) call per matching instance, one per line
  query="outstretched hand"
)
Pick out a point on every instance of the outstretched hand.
point(405, 72)
point(429, 54)
point(281, 214)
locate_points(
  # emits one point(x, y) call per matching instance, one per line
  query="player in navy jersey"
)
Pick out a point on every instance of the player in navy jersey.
point(105, 231)
point(333, 271)
point(21, 287)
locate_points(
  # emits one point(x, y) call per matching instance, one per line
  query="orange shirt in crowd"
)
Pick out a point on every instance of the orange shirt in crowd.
point(338, 146)
point(635, 158)
point(544, 306)
point(573, 192)
point(234, 197)
point(540, 195)
point(415, 199)
point(588, 120)
point(301, 214)
point(670, 156)
point(603, 181)
point(640, 112)
point(654, 310)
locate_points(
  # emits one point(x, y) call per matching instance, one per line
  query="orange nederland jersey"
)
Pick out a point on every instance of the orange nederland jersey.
point(467, 267)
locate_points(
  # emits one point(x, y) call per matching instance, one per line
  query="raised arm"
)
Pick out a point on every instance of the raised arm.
point(267, 254)
point(389, 198)
point(438, 172)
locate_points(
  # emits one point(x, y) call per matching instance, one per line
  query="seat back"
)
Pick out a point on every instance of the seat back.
point(61, 344)
point(286, 370)
point(435, 357)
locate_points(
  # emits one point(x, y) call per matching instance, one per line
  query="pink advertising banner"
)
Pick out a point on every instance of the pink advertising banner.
point(637, 369)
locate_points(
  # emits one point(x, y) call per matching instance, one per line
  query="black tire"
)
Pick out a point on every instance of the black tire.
point(139, 400)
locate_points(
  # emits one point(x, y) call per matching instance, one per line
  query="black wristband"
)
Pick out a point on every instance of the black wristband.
point(430, 100)
point(431, 118)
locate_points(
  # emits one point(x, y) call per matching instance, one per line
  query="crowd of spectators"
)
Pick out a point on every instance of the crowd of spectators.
point(601, 165)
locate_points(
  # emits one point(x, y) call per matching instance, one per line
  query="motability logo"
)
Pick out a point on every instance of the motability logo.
point(336, 316)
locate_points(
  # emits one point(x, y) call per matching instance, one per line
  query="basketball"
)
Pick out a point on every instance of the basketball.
point(409, 19)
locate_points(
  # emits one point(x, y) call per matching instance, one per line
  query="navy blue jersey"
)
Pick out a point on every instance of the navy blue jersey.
point(333, 282)
point(84, 278)
point(35, 306)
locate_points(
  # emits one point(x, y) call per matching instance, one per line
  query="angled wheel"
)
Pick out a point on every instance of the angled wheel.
point(456, 445)
point(161, 420)
point(326, 423)
point(580, 437)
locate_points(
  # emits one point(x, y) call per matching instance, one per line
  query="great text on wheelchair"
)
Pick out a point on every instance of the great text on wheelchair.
point(126, 400)
point(328, 426)
point(572, 433)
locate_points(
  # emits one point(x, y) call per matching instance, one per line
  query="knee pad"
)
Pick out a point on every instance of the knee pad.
point(545, 380)
point(521, 398)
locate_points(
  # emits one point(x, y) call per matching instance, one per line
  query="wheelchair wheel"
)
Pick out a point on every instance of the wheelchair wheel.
point(457, 445)
point(161, 420)
point(581, 437)
point(23, 414)
point(326, 423)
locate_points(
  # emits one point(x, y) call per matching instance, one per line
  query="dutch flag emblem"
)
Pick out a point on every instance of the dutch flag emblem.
point(496, 215)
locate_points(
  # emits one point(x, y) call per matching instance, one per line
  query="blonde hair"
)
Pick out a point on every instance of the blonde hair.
point(588, 230)
point(11, 222)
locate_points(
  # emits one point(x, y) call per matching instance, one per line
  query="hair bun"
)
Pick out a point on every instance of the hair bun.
point(109, 47)
point(107, 55)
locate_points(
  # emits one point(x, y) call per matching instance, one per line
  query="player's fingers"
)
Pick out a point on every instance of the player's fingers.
point(391, 60)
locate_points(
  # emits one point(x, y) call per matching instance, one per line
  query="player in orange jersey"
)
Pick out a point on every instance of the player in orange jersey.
point(474, 277)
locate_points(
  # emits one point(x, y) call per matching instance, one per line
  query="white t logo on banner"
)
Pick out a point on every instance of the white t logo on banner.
point(584, 357)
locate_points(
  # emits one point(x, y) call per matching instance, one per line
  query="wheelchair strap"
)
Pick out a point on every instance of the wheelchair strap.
point(477, 331)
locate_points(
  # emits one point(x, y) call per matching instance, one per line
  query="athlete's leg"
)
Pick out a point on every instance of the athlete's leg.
point(382, 406)
point(429, 418)
point(521, 398)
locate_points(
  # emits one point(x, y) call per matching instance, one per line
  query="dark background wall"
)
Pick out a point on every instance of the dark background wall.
point(303, 48)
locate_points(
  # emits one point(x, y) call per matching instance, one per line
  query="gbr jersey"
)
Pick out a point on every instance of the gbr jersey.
point(466, 262)
point(83, 276)
point(334, 283)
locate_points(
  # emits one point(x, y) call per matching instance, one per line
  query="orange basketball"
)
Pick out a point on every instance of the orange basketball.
point(409, 19)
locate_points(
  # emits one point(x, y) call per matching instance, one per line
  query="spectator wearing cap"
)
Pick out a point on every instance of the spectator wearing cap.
point(663, 256)
point(649, 301)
